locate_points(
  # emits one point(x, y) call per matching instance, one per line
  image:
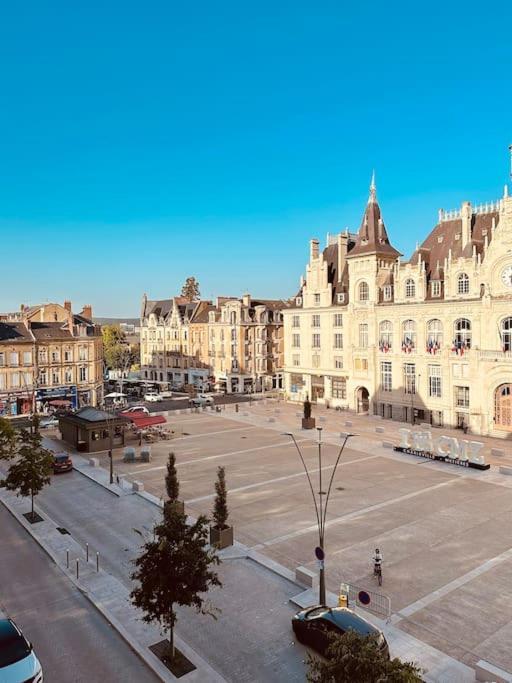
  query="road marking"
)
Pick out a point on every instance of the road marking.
point(455, 584)
point(222, 431)
point(277, 479)
point(355, 514)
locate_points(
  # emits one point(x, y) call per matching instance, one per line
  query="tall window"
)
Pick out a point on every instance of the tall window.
point(408, 336)
point(506, 334)
point(315, 360)
point(434, 335)
point(462, 337)
point(83, 353)
point(463, 283)
point(434, 381)
point(436, 288)
point(364, 292)
point(315, 341)
point(409, 378)
point(385, 336)
point(15, 379)
point(83, 374)
point(410, 288)
point(296, 341)
point(68, 375)
point(296, 321)
point(385, 376)
point(338, 362)
point(338, 320)
point(315, 320)
point(55, 356)
point(317, 299)
point(363, 335)
point(338, 340)
point(42, 378)
point(2, 358)
point(462, 397)
point(14, 359)
point(339, 387)
point(27, 357)
point(387, 292)
point(55, 376)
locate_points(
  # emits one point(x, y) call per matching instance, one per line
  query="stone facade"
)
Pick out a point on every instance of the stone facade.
point(427, 340)
point(233, 345)
point(49, 357)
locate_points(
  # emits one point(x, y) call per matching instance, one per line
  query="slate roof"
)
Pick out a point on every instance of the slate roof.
point(14, 332)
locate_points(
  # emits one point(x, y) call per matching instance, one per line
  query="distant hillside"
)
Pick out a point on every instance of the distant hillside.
point(117, 321)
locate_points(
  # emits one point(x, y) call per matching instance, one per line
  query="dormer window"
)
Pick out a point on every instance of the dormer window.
point(435, 288)
point(387, 292)
point(364, 292)
point(410, 289)
point(463, 283)
point(317, 299)
point(298, 301)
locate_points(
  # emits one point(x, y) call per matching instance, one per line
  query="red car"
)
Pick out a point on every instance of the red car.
point(62, 463)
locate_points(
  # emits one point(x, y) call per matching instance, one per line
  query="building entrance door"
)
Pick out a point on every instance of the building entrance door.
point(363, 400)
point(503, 407)
point(317, 387)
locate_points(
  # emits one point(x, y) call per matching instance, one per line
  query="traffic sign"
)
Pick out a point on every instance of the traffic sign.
point(363, 598)
point(320, 555)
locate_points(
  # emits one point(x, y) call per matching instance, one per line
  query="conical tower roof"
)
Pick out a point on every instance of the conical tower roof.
point(372, 237)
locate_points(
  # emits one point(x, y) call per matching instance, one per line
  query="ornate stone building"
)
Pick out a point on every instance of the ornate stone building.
point(49, 357)
point(233, 345)
point(425, 340)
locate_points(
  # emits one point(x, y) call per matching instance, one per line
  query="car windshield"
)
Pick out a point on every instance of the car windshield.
point(13, 648)
point(61, 458)
point(316, 612)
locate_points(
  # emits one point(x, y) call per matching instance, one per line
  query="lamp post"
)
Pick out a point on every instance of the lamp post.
point(320, 503)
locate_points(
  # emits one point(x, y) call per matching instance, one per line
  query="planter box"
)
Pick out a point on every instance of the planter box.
point(221, 538)
point(308, 423)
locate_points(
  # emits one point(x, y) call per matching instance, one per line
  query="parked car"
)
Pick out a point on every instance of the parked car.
point(153, 398)
point(312, 625)
point(62, 463)
point(201, 400)
point(135, 409)
point(166, 395)
point(18, 663)
point(49, 422)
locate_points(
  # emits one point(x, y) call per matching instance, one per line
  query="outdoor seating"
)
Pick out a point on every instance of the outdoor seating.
point(129, 454)
point(145, 454)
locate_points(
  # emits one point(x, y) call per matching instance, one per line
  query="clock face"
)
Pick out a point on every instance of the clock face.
point(506, 276)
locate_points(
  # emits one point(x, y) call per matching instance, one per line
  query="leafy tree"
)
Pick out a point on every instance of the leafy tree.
point(116, 351)
point(7, 439)
point(353, 657)
point(190, 289)
point(175, 568)
point(30, 472)
point(220, 506)
point(172, 485)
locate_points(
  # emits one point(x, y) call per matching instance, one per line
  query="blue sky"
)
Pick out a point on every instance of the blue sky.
point(144, 142)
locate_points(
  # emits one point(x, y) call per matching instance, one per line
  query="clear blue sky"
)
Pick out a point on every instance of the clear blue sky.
point(144, 142)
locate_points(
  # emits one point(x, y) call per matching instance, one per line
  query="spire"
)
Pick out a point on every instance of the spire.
point(373, 190)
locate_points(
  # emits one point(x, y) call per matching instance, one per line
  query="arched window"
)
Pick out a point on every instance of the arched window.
point(364, 292)
point(434, 335)
point(463, 283)
point(462, 340)
point(233, 317)
point(410, 288)
point(506, 334)
point(408, 336)
point(385, 336)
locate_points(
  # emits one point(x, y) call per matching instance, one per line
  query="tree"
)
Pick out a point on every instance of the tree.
point(30, 472)
point(116, 351)
point(220, 506)
point(190, 289)
point(175, 568)
point(353, 657)
point(7, 439)
point(172, 485)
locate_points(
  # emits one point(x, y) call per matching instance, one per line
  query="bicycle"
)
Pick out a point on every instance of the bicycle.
point(377, 571)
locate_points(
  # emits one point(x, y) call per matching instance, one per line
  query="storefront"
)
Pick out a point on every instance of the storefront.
point(46, 398)
point(12, 405)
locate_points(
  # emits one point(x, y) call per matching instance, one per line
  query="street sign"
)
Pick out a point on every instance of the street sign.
point(319, 553)
point(363, 598)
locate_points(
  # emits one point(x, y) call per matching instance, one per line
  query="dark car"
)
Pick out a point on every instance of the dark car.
point(312, 626)
point(62, 463)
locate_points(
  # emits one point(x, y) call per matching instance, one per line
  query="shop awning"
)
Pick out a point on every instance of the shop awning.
point(143, 420)
point(59, 402)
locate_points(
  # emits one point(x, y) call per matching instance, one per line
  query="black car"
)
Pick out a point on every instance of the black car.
point(312, 625)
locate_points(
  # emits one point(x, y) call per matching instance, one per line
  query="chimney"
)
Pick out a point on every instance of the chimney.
point(313, 249)
point(246, 300)
point(87, 311)
point(67, 306)
point(342, 253)
point(465, 214)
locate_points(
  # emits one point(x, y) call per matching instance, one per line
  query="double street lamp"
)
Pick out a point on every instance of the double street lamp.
point(320, 501)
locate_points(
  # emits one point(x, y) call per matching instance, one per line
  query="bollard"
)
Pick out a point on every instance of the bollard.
point(236, 407)
point(97, 562)
point(87, 552)
point(77, 570)
point(67, 559)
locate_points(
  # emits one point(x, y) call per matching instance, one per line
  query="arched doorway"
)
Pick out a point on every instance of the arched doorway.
point(503, 407)
point(363, 400)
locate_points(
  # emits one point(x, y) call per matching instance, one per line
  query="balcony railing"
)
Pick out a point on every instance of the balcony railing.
point(495, 355)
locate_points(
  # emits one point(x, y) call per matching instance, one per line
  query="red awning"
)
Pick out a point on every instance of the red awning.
point(143, 420)
point(59, 402)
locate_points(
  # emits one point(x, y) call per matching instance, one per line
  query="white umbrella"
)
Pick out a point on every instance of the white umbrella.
point(115, 394)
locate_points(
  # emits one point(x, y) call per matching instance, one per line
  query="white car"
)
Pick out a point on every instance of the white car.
point(135, 409)
point(18, 662)
point(49, 422)
point(153, 398)
point(201, 400)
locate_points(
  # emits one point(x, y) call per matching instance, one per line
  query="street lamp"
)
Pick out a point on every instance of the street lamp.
point(321, 504)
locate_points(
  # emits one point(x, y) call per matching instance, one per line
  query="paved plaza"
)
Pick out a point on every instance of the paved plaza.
point(445, 531)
